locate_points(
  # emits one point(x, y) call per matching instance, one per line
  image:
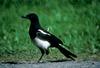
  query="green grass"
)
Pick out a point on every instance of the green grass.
point(78, 23)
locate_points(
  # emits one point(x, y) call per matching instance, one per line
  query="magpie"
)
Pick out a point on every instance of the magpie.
point(45, 40)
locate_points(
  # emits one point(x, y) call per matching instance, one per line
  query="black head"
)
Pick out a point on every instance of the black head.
point(31, 16)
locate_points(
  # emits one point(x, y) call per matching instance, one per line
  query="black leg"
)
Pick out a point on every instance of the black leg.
point(42, 51)
point(47, 52)
point(40, 58)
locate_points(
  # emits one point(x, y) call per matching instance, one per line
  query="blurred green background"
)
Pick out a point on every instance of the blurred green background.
point(75, 22)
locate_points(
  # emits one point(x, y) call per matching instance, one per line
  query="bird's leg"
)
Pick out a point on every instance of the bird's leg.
point(47, 51)
point(40, 58)
point(42, 51)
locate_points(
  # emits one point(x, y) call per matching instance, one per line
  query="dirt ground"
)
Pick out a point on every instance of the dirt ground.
point(64, 64)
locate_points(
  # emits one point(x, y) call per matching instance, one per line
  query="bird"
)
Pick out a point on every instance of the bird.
point(43, 39)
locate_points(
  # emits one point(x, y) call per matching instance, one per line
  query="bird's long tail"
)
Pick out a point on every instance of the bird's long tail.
point(66, 53)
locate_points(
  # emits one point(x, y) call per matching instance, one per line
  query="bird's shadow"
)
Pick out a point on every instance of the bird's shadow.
point(62, 60)
point(54, 61)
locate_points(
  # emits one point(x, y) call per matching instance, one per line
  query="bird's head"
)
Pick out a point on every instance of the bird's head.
point(31, 16)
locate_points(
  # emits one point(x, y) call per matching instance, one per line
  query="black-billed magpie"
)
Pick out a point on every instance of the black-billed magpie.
point(43, 39)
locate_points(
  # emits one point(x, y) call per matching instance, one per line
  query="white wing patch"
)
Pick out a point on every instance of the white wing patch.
point(43, 32)
point(42, 43)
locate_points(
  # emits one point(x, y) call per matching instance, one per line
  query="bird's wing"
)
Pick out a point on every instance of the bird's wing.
point(45, 35)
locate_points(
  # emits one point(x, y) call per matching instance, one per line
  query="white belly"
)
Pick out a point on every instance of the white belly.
point(41, 43)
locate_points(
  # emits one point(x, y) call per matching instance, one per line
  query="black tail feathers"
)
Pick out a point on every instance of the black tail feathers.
point(66, 53)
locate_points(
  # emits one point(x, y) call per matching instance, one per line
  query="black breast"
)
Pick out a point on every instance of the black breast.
point(32, 33)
